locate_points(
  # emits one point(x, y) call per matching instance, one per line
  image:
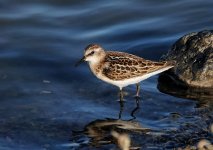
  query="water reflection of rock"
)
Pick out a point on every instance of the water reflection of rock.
point(103, 131)
point(110, 133)
point(167, 84)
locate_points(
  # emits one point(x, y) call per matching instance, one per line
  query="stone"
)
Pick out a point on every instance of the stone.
point(193, 54)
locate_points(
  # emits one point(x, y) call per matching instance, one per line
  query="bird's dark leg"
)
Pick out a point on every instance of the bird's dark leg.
point(121, 102)
point(121, 109)
point(121, 95)
point(138, 90)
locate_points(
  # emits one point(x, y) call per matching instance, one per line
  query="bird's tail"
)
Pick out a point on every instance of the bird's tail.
point(171, 63)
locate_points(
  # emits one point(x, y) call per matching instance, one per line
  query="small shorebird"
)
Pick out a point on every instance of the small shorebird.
point(121, 69)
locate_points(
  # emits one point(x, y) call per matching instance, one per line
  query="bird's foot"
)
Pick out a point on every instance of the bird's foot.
point(121, 100)
point(137, 96)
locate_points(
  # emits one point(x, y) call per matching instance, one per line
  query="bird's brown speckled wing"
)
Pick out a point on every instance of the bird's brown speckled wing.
point(124, 66)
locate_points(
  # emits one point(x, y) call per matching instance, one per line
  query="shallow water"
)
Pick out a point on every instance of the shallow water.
point(47, 103)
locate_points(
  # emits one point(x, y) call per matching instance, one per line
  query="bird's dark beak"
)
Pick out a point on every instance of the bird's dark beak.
point(80, 61)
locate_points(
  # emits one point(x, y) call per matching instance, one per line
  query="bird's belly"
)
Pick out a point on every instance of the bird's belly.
point(125, 82)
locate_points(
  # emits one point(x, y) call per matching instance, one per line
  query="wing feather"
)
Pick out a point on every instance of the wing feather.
point(124, 66)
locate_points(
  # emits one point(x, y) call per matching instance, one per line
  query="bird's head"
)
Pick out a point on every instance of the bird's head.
point(93, 53)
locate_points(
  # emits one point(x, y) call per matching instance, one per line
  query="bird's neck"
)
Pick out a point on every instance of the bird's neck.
point(96, 64)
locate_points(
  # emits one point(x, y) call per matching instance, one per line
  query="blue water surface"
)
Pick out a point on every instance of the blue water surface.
point(44, 98)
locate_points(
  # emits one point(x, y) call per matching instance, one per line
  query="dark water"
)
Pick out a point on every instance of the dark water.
point(44, 100)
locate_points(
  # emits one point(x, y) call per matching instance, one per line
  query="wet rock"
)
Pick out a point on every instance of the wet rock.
point(193, 54)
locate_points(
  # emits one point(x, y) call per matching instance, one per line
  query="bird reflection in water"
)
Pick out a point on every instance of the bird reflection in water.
point(137, 100)
point(115, 131)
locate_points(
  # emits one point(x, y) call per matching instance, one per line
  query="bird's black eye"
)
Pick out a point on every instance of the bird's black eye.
point(92, 53)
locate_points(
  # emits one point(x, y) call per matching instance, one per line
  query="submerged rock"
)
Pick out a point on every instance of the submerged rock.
point(193, 54)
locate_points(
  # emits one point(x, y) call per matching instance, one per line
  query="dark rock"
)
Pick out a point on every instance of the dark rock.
point(193, 54)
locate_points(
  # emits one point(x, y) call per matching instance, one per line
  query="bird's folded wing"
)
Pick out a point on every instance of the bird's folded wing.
point(120, 66)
